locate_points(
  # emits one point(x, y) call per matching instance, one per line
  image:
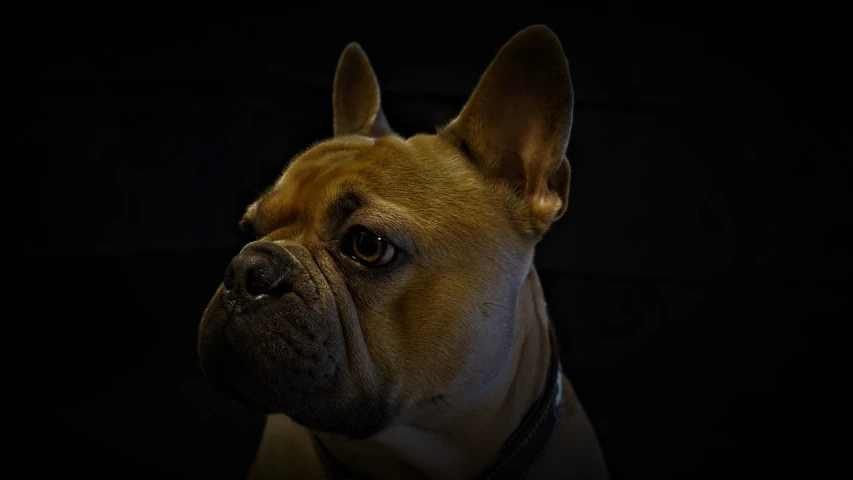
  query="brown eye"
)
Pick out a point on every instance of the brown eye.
point(369, 248)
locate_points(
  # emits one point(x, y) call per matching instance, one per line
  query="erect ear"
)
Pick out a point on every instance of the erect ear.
point(355, 98)
point(516, 124)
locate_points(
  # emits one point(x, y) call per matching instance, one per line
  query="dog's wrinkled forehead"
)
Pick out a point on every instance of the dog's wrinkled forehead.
point(326, 174)
point(388, 179)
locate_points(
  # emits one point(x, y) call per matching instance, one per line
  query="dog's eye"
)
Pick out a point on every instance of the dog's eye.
point(368, 248)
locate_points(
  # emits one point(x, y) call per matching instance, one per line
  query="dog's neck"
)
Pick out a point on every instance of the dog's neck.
point(439, 440)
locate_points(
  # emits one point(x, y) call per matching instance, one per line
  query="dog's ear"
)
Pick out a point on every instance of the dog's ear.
point(516, 124)
point(356, 102)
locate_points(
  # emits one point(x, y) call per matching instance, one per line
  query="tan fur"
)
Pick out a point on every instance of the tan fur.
point(465, 318)
point(396, 174)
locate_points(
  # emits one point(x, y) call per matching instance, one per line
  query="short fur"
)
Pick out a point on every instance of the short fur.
point(422, 367)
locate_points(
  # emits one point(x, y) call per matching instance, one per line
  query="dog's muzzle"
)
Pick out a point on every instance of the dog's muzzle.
point(269, 336)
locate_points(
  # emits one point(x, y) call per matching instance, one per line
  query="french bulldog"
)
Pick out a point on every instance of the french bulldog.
point(388, 318)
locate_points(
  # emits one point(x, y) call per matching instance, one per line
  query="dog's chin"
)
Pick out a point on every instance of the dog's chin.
point(338, 407)
point(236, 382)
point(321, 412)
point(357, 419)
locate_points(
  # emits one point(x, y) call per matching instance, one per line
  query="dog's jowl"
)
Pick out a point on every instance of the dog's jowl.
point(388, 318)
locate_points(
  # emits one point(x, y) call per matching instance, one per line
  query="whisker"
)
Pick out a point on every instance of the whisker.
point(448, 404)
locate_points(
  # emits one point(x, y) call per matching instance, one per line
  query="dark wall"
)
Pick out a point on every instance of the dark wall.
point(698, 279)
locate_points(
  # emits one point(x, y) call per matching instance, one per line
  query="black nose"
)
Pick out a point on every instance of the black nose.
point(258, 271)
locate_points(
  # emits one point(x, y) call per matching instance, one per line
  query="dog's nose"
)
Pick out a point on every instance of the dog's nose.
point(257, 271)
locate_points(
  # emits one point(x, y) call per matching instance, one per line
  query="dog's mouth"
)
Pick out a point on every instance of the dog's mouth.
point(238, 383)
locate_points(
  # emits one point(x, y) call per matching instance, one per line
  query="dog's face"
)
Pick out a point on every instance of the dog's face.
point(386, 270)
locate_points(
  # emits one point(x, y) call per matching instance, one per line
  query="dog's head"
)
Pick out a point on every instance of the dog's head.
point(386, 270)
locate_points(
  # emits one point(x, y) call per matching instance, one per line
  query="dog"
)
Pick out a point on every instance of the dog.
point(387, 317)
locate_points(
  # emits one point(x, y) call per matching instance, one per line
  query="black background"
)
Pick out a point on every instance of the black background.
point(698, 280)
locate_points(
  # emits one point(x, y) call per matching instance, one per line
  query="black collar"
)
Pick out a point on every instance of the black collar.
point(526, 444)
